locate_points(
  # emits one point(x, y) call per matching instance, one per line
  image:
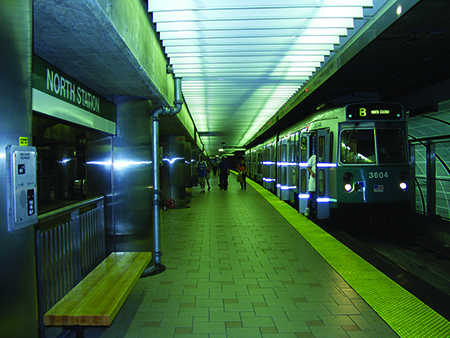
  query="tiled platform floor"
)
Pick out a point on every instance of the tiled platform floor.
point(236, 268)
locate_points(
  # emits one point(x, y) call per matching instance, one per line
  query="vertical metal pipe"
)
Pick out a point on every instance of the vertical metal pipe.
point(178, 100)
point(161, 111)
point(156, 191)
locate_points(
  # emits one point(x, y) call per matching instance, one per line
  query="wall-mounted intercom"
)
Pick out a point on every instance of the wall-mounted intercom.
point(22, 187)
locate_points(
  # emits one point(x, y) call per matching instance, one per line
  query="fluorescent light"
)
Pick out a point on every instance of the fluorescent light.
point(289, 32)
point(257, 14)
point(176, 5)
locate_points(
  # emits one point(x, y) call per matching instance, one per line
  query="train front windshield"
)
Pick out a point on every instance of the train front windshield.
point(359, 146)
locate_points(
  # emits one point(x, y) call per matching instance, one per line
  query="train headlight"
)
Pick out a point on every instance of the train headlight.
point(403, 178)
point(348, 181)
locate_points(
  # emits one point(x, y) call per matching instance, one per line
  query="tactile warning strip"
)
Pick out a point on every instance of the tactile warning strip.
point(402, 311)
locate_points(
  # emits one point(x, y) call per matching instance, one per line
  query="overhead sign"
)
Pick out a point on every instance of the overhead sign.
point(52, 81)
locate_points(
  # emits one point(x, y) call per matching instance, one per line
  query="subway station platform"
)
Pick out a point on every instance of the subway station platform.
point(241, 263)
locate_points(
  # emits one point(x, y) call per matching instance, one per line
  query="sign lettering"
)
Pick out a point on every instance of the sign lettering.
point(65, 88)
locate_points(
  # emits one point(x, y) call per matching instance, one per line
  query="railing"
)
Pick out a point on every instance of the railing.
point(70, 243)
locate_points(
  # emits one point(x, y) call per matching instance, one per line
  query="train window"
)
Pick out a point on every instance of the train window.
point(294, 149)
point(291, 150)
point(303, 181)
point(321, 149)
point(283, 175)
point(303, 149)
point(391, 148)
point(358, 146)
point(321, 181)
point(330, 151)
point(284, 152)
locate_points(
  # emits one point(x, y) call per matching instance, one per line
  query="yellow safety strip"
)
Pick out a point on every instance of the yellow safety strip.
point(402, 311)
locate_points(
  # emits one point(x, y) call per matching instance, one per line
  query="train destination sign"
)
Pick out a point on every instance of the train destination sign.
point(374, 111)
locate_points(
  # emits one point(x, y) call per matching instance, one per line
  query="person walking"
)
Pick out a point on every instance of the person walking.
point(214, 166)
point(224, 171)
point(201, 171)
point(208, 174)
point(242, 170)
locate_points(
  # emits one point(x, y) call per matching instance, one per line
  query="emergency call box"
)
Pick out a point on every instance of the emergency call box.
point(22, 187)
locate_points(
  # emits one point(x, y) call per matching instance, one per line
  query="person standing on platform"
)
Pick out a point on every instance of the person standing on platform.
point(312, 168)
point(201, 170)
point(242, 170)
point(224, 171)
point(214, 166)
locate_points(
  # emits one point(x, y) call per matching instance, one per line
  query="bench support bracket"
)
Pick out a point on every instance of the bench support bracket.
point(79, 330)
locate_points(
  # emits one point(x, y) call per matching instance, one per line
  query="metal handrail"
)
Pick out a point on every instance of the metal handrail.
point(67, 209)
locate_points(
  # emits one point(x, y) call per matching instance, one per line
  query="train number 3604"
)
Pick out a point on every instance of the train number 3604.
point(378, 174)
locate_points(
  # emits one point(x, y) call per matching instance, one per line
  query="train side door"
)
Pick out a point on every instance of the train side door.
point(305, 152)
point(323, 174)
point(293, 171)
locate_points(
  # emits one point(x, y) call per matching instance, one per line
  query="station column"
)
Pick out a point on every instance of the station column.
point(18, 306)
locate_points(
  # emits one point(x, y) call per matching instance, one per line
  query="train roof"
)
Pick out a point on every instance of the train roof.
point(351, 112)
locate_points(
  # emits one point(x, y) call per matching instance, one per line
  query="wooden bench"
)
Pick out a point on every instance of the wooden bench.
point(97, 299)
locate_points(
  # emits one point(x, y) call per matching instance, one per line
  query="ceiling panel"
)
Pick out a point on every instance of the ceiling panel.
point(241, 60)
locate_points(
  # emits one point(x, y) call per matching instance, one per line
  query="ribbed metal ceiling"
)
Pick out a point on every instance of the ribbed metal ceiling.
point(241, 60)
